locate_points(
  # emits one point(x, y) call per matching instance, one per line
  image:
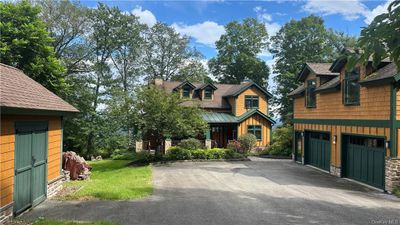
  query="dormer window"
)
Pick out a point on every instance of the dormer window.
point(311, 99)
point(251, 101)
point(208, 92)
point(186, 92)
point(351, 88)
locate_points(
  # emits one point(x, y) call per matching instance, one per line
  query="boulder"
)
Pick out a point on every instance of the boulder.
point(76, 165)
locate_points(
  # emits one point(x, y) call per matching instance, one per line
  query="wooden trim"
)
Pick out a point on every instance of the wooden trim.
point(345, 122)
point(393, 121)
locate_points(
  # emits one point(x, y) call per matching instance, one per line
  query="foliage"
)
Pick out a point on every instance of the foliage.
point(65, 222)
point(144, 157)
point(297, 42)
point(194, 71)
point(25, 44)
point(114, 180)
point(123, 154)
point(282, 139)
point(161, 114)
point(237, 53)
point(247, 141)
point(178, 153)
point(396, 191)
point(381, 39)
point(191, 144)
point(234, 146)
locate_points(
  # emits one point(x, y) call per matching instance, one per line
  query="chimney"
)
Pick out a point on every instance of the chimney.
point(158, 81)
point(245, 81)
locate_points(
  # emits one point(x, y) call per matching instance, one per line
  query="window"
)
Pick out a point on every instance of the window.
point(310, 94)
point(256, 130)
point(186, 92)
point(251, 101)
point(208, 93)
point(351, 88)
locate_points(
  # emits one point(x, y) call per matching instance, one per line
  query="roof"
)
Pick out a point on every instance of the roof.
point(220, 117)
point(340, 62)
point(388, 73)
point(222, 91)
point(320, 69)
point(298, 91)
point(331, 85)
point(217, 117)
point(17, 90)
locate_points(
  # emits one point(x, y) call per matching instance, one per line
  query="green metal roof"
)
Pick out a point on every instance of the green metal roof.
point(217, 117)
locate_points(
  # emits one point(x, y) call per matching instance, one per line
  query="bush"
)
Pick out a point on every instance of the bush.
point(247, 142)
point(122, 154)
point(190, 144)
point(231, 154)
point(178, 153)
point(199, 154)
point(144, 157)
point(215, 153)
point(396, 191)
point(235, 146)
point(282, 141)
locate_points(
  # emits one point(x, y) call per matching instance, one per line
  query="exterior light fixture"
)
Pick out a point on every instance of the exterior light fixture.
point(387, 143)
point(334, 139)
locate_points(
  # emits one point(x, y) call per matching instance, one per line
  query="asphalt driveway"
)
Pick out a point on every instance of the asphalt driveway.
point(260, 191)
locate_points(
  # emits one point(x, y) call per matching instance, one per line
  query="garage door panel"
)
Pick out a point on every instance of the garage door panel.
point(365, 160)
point(318, 150)
point(22, 199)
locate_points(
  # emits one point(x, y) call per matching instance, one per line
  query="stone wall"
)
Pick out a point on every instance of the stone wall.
point(392, 174)
point(6, 213)
point(54, 186)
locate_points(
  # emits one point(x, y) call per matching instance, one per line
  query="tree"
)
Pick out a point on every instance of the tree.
point(160, 114)
point(381, 39)
point(193, 71)
point(237, 53)
point(68, 24)
point(297, 42)
point(25, 44)
point(165, 51)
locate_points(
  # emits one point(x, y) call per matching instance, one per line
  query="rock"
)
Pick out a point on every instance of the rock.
point(76, 165)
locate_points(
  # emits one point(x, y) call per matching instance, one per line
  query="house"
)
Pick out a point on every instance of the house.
point(230, 109)
point(30, 142)
point(346, 122)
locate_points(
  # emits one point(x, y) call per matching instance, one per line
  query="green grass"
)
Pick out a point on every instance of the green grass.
point(114, 180)
point(396, 191)
point(62, 222)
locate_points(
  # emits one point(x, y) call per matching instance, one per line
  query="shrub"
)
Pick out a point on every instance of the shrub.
point(231, 154)
point(396, 191)
point(122, 154)
point(199, 154)
point(215, 153)
point(235, 146)
point(247, 142)
point(144, 157)
point(190, 144)
point(178, 153)
point(282, 141)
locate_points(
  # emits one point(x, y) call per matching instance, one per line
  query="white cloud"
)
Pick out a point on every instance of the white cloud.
point(266, 18)
point(145, 16)
point(349, 9)
point(206, 33)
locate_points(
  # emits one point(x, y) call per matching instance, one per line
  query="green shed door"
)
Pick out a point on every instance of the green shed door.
point(30, 165)
point(318, 150)
point(364, 160)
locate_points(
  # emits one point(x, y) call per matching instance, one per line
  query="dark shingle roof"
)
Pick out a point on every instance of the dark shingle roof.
point(20, 91)
point(298, 91)
point(219, 101)
point(329, 86)
point(320, 69)
point(386, 73)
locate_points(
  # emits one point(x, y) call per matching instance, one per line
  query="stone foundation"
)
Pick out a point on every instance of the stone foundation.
point(139, 146)
point(208, 144)
point(336, 171)
point(54, 186)
point(167, 145)
point(6, 213)
point(392, 174)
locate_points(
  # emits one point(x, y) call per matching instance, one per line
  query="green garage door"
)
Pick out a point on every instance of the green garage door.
point(318, 151)
point(30, 165)
point(364, 160)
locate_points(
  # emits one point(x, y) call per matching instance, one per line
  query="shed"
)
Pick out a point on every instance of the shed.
point(31, 137)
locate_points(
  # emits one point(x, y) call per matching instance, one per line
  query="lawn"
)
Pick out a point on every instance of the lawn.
point(113, 180)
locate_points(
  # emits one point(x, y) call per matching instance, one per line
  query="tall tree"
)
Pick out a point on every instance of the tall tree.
point(25, 44)
point(68, 24)
point(165, 51)
point(381, 39)
point(237, 53)
point(297, 42)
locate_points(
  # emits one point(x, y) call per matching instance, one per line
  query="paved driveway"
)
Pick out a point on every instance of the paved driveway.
point(254, 192)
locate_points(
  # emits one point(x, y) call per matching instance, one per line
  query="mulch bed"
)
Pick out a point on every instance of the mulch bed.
point(274, 156)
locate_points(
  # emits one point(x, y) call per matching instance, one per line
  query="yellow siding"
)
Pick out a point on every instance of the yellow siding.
point(257, 120)
point(7, 140)
point(338, 131)
point(240, 107)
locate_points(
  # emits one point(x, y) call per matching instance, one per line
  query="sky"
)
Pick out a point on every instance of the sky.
point(203, 21)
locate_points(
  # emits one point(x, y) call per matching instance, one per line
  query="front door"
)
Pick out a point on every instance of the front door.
point(30, 165)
